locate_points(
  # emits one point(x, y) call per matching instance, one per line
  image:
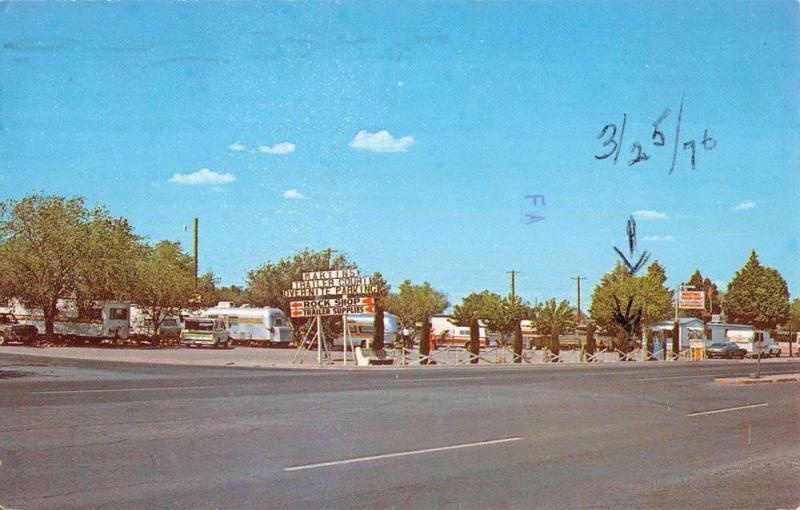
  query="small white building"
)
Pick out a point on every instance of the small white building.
point(691, 328)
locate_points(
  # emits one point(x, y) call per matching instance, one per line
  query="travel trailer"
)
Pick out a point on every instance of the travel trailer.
point(253, 326)
point(444, 333)
point(361, 327)
point(107, 320)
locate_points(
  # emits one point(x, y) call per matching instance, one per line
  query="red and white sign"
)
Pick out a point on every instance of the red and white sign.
point(692, 299)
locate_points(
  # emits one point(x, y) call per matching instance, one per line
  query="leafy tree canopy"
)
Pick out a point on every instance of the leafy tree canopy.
point(53, 247)
point(757, 295)
point(412, 303)
point(164, 281)
point(554, 317)
point(648, 292)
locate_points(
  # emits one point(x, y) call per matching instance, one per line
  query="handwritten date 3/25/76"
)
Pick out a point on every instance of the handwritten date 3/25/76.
point(614, 139)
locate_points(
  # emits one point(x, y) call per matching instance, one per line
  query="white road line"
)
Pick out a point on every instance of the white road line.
point(401, 454)
point(105, 390)
point(679, 377)
point(728, 409)
point(439, 379)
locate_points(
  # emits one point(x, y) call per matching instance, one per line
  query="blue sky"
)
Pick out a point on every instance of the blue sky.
point(408, 134)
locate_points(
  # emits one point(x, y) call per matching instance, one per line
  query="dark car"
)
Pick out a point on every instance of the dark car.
point(12, 331)
point(725, 350)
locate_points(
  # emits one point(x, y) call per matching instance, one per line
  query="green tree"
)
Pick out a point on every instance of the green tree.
point(793, 324)
point(467, 314)
point(53, 247)
point(379, 299)
point(621, 302)
point(757, 295)
point(713, 303)
point(554, 320)
point(413, 303)
point(164, 281)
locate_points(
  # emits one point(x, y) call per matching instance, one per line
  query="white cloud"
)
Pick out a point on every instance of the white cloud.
point(644, 214)
point(293, 194)
point(278, 148)
point(659, 238)
point(382, 141)
point(747, 204)
point(202, 176)
point(237, 147)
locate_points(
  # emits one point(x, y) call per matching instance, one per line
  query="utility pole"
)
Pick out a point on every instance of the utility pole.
point(578, 280)
point(196, 228)
point(513, 273)
point(329, 251)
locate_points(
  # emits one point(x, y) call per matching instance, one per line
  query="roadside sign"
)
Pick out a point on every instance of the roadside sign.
point(334, 273)
point(691, 299)
point(331, 291)
point(329, 303)
point(333, 282)
point(333, 310)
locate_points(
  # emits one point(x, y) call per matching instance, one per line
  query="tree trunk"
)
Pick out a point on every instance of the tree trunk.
point(377, 336)
point(590, 339)
point(555, 346)
point(676, 328)
point(474, 339)
point(425, 339)
point(517, 343)
point(50, 311)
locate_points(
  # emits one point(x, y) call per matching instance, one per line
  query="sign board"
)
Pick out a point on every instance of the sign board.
point(328, 303)
point(332, 282)
point(334, 273)
point(691, 299)
point(331, 291)
point(332, 310)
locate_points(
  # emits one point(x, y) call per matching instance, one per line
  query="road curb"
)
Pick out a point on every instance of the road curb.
point(764, 379)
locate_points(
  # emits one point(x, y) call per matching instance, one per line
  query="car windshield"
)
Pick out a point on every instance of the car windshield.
point(169, 322)
point(196, 325)
point(7, 319)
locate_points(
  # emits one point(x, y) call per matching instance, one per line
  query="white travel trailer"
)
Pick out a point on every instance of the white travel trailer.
point(109, 320)
point(445, 333)
point(361, 327)
point(254, 326)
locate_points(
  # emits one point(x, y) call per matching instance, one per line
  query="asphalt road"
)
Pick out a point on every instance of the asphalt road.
point(80, 434)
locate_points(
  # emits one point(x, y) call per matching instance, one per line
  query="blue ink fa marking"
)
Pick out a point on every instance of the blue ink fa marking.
point(532, 216)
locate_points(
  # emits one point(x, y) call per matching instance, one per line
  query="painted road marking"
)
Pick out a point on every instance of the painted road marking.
point(401, 454)
point(129, 389)
point(439, 379)
point(728, 409)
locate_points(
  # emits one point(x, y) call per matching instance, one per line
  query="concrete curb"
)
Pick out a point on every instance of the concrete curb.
point(762, 380)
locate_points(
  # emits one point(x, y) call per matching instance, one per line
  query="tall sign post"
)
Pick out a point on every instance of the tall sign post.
point(688, 300)
point(328, 293)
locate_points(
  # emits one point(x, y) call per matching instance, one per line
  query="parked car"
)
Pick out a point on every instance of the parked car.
point(12, 331)
point(725, 350)
point(170, 329)
point(205, 331)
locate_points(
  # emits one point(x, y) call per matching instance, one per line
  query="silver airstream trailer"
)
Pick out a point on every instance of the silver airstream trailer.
point(253, 326)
